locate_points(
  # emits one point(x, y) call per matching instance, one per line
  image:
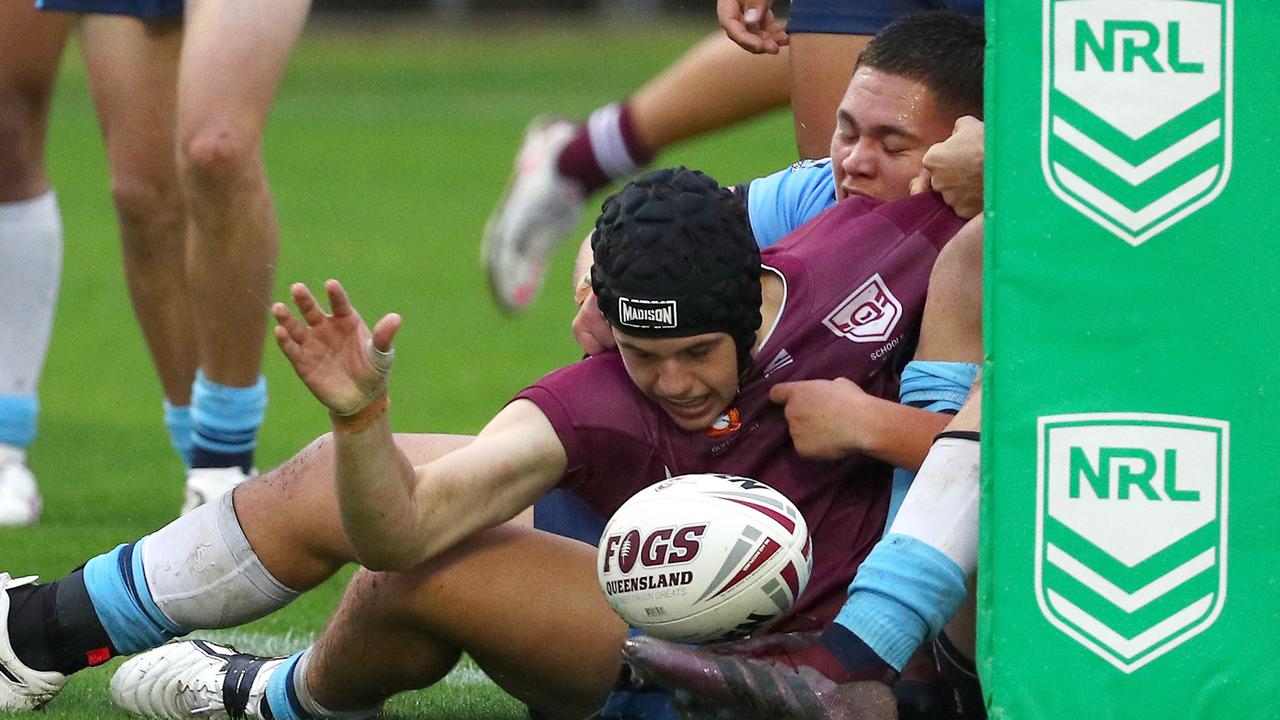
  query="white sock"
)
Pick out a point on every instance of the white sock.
point(202, 573)
point(604, 128)
point(941, 508)
point(30, 267)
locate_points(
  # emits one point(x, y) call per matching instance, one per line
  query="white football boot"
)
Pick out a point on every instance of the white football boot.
point(208, 484)
point(21, 688)
point(193, 679)
point(19, 498)
point(538, 211)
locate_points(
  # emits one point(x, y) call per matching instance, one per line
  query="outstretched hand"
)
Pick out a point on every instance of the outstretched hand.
point(752, 25)
point(342, 362)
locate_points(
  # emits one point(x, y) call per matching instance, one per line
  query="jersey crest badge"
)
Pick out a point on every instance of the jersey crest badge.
point(1131, 530)
point(869, 314)
point(1136, 110)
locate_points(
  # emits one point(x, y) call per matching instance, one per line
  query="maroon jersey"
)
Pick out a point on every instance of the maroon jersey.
point(855, 280)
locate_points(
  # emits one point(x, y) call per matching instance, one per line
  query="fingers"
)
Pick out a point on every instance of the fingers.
point(306, 304)
point(287, 323)
point(383, 333)
point(966, 122)
point(339, 304)
point(590, 328)
point(286, 343)
point(744, 21)
point(922, 182)
point(781, 392)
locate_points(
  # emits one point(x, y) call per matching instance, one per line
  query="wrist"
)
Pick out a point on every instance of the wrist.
point(582, 290)
point(361, 419)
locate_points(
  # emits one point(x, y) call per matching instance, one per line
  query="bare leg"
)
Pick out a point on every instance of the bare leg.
point(712, 86)
point(132, 75)
point(32, 44)
point(526, 605)
point(233, 57)
point(821, 66)
point(306, 545)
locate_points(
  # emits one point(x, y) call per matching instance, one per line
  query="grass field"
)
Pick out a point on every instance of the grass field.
point(386, 153)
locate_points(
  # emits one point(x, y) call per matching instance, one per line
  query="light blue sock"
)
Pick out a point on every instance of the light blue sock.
point(177, 420)
point(18, 419)
point(225, 422)
point(904, 592)
point(117, 586)
point(282, 694)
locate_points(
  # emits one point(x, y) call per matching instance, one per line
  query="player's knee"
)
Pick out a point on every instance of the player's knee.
point(22, 114)
point(216, 154)
point(150, 211)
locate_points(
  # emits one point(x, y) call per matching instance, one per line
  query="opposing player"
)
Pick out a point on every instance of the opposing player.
point(183, 92)
point(606, 427)
point(30, 242)
point(917, 81)
point(712, 86)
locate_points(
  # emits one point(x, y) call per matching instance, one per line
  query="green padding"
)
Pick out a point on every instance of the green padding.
point(1132, 386)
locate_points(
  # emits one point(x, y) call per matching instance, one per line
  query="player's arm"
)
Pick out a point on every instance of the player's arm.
point(396, 516)
point(830, 419)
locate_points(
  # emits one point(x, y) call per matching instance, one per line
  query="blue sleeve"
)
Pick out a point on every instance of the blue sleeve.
point(785, 200)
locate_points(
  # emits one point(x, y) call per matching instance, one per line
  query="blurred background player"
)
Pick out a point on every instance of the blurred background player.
point(30, 241)
point(182, 95)
point(714, 85)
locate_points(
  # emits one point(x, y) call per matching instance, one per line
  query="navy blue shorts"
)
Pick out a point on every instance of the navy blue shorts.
point(565, 514)
point(865, 17)
point(145, 9)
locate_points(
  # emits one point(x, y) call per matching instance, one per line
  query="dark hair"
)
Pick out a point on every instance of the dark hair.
point(941, 49)
point(674, 257)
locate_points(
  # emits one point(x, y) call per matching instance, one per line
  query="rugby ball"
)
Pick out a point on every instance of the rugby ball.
point(699, 558)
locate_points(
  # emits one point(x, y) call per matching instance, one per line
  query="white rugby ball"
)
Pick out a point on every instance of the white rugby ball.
point(698, 558)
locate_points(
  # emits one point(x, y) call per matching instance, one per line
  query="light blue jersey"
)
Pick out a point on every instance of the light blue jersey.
point(785, 200)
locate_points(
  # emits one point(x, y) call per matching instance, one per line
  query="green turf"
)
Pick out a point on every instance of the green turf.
point(386, 154)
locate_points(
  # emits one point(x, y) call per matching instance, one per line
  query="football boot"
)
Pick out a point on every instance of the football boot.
point(771, 678)
point(193, 678)
point(19, 498)
point(21, 688)
point(538, 210)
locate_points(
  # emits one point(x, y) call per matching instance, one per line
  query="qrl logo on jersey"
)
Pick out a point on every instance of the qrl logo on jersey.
point(868, 314)
point(1131, 530)
point(665, 546)
point(1136, 112)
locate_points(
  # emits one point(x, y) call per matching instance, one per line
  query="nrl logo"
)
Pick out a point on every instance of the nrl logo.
point(1131, 530)
point(1136, 111)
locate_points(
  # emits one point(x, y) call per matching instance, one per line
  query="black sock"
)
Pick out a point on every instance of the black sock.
point(54, 626)
point(202, 458)
point(854, 654)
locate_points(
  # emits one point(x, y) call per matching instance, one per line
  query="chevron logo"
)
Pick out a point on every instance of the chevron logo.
point(1131, 530)
point(1136, 129)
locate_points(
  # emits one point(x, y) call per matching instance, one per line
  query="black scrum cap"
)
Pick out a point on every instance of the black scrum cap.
point(674, 257)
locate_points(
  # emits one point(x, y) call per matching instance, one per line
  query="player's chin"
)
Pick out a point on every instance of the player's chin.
point(696, 417)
